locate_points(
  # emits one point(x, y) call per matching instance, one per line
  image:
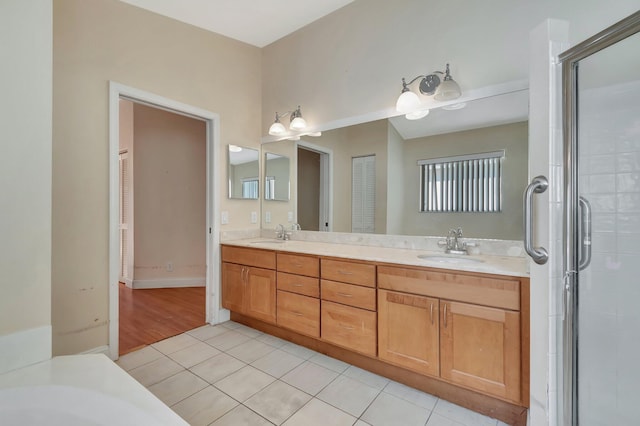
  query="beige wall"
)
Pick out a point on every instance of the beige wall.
point(25, 167)
point(395, 182)
point(350, 62)
point(504, 225)
point(169, 193)
point(100, 40)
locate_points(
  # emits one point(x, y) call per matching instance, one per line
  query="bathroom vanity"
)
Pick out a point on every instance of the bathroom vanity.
point(455, 327)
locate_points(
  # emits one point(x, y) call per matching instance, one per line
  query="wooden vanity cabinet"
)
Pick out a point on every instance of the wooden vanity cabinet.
point(476, 343)
point(348, 306)
point(409, 332)
point(298, 303)
point(248, 286)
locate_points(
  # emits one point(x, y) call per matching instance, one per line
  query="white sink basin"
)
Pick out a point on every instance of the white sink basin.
point(267, 242)
point(448, 259)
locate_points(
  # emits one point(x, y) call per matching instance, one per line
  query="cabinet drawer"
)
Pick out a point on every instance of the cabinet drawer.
point(249, 256)
point(488, 291)
point(299, 313)
point(349, 272)
point(306, 286)
point(349, 327)
point(349, 294)
point(298, 264)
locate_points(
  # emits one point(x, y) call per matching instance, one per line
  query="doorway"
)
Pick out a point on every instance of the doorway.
point(314, 208)
point(162, 216)
point(209, 211)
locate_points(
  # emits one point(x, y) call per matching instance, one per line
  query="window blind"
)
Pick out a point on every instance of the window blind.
point(466, 183)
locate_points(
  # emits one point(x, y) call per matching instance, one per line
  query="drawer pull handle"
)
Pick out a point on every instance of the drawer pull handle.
point(343, 272)
point(346, 327)
point(431, 313)
point(297, 265)
point(445, 315)
point(298, 314)
point(344, 294)
point(298, 285)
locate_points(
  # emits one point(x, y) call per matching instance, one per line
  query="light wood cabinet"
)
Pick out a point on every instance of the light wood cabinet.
point(464, 331)
point(299, 313)
point(349, 327)
point(480, 348)
point(249, 290)
point(409, 332)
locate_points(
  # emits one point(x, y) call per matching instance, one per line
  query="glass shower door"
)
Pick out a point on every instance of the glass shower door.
point(603, 232)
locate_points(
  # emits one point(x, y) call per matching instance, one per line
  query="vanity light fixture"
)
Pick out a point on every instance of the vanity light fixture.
point(297, 123)
point(445, 89)
point(235, 148)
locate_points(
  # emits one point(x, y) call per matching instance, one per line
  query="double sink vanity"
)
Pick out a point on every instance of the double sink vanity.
point(455, 326)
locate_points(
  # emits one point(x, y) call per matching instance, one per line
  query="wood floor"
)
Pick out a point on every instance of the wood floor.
point(150, 315)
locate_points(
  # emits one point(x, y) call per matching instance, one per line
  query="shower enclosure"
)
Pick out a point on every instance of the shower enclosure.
point(601, 116)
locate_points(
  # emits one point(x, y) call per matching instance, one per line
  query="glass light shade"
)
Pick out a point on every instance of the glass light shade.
point(298, 123)
point(407, 102)
point(277, 128)
point(448, 90)
point(417, 115)
point(235, 148)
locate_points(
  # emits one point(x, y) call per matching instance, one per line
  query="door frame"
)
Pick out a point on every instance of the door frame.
point(569, 60)
point(326, 183)
point(117, 91)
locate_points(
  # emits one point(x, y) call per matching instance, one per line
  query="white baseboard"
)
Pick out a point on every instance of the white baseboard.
point(127, 281)
point(24, 348)
point(169, 283)
point(99, 350)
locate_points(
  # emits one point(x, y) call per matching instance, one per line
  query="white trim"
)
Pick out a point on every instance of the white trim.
point(127, 281)
point(117, 91)
point(169, 283)
point(24, 348)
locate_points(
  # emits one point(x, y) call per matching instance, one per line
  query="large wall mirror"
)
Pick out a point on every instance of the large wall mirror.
point(366, 177)
point(243, 171)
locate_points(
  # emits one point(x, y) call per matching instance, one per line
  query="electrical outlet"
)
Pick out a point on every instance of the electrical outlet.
point(254, 217)
point(267, 217)
point(224, 217)
point(290, 216)
point(169, 266)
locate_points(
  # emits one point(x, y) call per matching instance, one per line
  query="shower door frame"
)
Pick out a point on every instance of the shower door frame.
point(570, 60)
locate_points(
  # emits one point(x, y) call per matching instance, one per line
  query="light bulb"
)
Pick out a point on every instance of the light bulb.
point(416, 115)
point(407, 102)
point(277, 128)
point(298, 123)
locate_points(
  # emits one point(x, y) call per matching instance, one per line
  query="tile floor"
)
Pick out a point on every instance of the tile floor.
point(231, 374)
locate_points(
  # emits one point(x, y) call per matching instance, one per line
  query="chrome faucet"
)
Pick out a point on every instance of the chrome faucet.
point(454, 242)
point(280, 232)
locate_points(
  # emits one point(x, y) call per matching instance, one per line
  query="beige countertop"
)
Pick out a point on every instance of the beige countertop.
point(500, 265)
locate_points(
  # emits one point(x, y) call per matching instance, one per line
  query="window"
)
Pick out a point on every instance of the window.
point(270, 188)
point(250, 187)
point(466, 183)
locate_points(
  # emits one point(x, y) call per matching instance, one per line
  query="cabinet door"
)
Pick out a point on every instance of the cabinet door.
point(480, 348)
point(233, 286)
point(260, 294)
point(408, 332)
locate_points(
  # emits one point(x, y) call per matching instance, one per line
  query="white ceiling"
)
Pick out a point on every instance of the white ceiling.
point(484, 112)
point(257, 22)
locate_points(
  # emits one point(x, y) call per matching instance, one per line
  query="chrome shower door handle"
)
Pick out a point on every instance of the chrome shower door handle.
point(585, 234)
point(538, 185)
